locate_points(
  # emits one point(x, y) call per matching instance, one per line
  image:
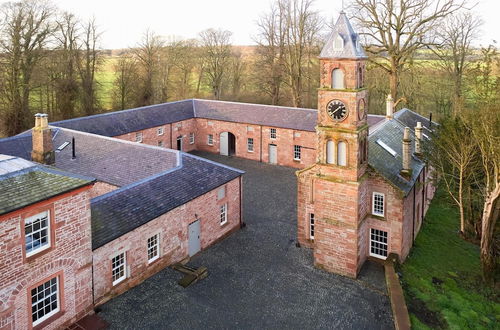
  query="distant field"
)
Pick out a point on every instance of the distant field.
point(105, 78)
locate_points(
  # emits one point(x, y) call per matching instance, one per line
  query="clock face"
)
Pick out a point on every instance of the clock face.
point(337, 110)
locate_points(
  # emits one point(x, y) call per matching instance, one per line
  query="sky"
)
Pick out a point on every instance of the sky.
point(123, 22)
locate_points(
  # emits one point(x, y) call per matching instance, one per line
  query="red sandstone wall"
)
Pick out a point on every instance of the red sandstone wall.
point(173, 230)
point(70, 257)
point(101, 188)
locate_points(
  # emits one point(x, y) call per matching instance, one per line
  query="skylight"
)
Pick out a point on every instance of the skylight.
point(62, 146)
point(387, 148)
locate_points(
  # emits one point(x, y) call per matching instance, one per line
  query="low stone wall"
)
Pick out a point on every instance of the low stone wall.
point(398, 303)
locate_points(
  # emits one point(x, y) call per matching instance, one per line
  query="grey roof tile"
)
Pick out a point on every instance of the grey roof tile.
point(352, 46)
point(131, 120)
point(122, 210)
point(391, 133)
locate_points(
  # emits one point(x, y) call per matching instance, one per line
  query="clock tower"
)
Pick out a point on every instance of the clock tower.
point(332, 192)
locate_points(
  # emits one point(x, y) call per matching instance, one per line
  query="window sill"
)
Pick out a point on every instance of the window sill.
point(224, 224)
point(115, 283)
point(38, 254)
point(251, 151)
point(151, 261)
point(49, 320)
point(296, 160)
point(379, 217)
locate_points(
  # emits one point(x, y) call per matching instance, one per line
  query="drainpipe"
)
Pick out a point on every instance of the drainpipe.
point(171, 147)
point(423, 195)
point(414, 208)
point(261, 143)
point(242, 224)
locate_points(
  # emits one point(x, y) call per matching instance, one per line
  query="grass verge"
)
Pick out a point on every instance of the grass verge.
point(442, 276)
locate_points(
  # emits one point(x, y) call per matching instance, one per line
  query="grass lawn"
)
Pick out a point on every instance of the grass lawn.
point(442, 276)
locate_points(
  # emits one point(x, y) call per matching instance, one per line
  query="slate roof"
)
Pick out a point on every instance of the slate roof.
point(122, 210)
point(23, 183)
point(410, 118)
point(352, 46)
point(390, 132)
point(110, 160)
point(125, 121)
point(257, 114)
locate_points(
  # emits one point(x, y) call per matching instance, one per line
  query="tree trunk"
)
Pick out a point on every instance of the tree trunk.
point(491, 213)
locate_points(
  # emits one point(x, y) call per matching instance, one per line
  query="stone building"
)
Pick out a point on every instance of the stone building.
point(368, 191)
point(97, 216)
point(115, 197)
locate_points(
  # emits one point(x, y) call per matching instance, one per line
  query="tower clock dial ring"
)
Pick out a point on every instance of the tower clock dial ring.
point(337, 110)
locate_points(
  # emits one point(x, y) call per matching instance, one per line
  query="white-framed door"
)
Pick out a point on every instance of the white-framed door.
point(194, 245)
point(273, 154)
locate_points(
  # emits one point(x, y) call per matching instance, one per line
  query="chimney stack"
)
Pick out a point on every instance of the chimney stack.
point(43, 151)
point(389, 107)
point(406, 171)
point(418, 138)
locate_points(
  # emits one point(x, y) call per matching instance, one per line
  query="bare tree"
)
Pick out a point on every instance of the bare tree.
point(148, 55)
point(124, 91)
point(217, 52)
point(237, 73)
point(454, 49)
point(170, 55)
point(25, 28)
point(66, 56)
point(91, 58)
point(396, 29)
point(185, 66)
point(271, 52)
point(300, 27)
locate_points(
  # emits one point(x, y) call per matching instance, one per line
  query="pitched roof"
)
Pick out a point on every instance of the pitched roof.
point(122, 210)
point(390, 133)
point(257, 114)
point(23, 183)
point(351, 44)
point(110, 160)
point(410, 118)
point(131, 120)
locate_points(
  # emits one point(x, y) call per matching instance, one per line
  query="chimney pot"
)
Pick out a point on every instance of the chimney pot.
point(418, 138)
point(43, 151)
point(389, 107)
point(406, 171)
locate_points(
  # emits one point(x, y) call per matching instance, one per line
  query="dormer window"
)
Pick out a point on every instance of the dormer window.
point(338, 43)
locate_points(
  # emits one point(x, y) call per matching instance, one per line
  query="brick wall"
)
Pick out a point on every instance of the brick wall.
point(69, 258)
point(172, 228)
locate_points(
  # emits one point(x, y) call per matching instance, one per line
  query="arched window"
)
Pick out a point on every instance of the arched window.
point(339, 43)
point(337, 79)
point(342, 154)
point(330, 152)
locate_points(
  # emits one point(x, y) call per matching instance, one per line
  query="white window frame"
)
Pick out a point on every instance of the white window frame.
point(375, 204)
point(123, 265)
point(311, 225)
point(153, 244)
point(223, 214)
point(377, 242)
point(31, 220)
point(250, 144)
point(138, 137)
point(191, 138)
point(297, 152)
point(210, 139)
point(273, 133)
point(160, 131)
point(51, 290)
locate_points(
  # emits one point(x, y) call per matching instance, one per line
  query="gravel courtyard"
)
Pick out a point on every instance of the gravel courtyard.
point(258, 278)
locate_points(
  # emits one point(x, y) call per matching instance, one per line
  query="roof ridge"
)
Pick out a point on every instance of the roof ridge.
point(256, 104)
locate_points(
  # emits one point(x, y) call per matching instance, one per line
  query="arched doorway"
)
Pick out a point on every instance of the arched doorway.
point(227, 144)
